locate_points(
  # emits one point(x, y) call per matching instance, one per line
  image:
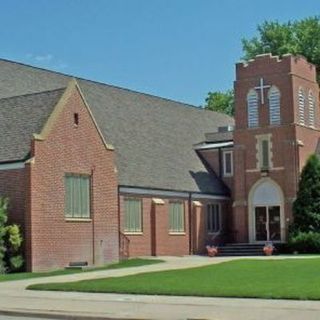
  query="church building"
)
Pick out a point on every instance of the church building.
point(97, 173)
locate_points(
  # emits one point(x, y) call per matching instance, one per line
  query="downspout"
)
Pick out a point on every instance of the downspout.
point(220, 163)
point(190, 225)
point(119, 227)
point(92, 216)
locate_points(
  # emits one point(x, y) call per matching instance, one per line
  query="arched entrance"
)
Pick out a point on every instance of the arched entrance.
point(266, 215)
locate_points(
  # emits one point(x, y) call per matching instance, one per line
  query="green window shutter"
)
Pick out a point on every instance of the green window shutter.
point(132, 215)
point(176, 217)
point(85, 196)
point(265, 153)
point(68, 196)
point(77, 196)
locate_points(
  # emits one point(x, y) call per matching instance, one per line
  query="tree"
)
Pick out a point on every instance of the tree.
point(221, 102)
point(306, 208)
point(300, 37)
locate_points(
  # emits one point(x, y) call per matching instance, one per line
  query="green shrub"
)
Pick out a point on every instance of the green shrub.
point(13, 259)
point(16, 263)
point(10, 241)
point(305, 242)
point(3, 231)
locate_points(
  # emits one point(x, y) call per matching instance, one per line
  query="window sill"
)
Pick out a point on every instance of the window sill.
point(182, 233)
point(128, 233)
point(78, 219)
point(228, 175)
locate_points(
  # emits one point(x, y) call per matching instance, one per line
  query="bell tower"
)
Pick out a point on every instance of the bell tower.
point(277, 125)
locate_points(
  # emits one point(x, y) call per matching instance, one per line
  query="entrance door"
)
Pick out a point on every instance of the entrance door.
point(267, 223)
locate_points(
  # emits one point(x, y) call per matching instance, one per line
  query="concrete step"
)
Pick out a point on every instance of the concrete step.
point(241, 249)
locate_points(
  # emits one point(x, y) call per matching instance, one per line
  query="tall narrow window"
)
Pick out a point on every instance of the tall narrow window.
point(252, 106)
point(264, 154)
point(227, 163)
point(311, 109)
point(213, 218)
point(132, 215)
point(301, 106)
point(77, 196)
point(274, 105)
point(176, 217)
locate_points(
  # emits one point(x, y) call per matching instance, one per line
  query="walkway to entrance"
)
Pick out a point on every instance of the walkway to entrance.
point(14, 298)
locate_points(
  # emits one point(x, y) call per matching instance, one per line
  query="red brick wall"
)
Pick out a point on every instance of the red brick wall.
point(55, 240)
point(13, 186)
point(155, 238)
point(169, 243)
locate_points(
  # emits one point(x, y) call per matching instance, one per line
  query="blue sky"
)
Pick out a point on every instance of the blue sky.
point(178, 49)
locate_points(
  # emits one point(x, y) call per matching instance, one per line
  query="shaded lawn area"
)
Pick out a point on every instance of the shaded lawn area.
point(122, 264)
point(273, 279)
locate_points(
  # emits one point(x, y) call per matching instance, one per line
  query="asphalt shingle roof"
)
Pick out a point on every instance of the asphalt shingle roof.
point(20, 117)
point(153, 137)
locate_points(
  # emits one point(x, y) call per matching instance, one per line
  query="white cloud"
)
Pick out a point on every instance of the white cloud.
point(46, 60)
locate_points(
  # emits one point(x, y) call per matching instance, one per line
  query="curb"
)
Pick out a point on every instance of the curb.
point(61, 316)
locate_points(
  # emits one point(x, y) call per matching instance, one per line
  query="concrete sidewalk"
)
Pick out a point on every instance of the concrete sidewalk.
point(14, 298)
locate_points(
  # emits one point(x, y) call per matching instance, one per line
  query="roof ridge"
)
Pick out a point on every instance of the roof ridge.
point(32, 94)
point(185, 104)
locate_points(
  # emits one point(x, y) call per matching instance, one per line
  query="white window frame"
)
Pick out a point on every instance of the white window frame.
point(225, 173)
point(274, 109)
point(301, 106)
point(253, 109)
point(311, 109)
point(219, 227)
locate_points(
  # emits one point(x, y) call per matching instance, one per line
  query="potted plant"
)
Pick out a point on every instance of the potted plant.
point(268, 249)
point(212, 251)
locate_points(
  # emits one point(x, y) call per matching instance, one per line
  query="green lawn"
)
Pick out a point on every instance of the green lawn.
point(273, 279)
point(122, 264)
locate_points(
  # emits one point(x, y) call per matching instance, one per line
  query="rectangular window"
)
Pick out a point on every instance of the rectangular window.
point(176, 217)
point(77, 196)
point(133, 215)
point(227, 163)
point(213, 218)
point(265, 154)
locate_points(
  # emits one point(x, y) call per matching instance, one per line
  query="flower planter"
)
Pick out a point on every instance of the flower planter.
point(212, 251)
point(268, 250)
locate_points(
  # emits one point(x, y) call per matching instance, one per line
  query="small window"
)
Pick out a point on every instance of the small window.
point(264, 161)
point(311, 109)
point(274, 106)
point(301, 106)
point(76, 119)
point(213, 218)
point(176, 217)
point(227, 163)
point(133, 215)
point(77, 196)
point(252, 109)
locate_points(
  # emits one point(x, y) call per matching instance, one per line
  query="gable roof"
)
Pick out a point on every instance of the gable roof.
point(153, 137)
point(20, 117)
